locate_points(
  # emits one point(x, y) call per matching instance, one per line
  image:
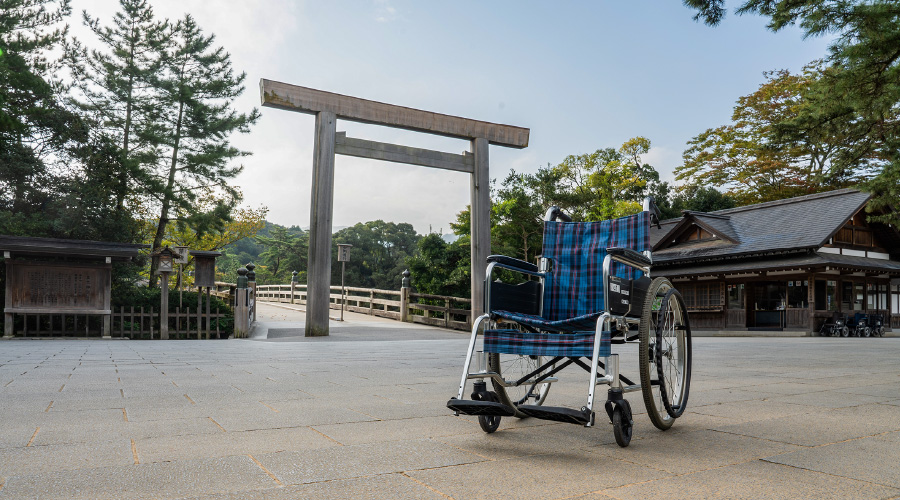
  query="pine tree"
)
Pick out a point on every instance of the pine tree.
point(116, 89)
point(34, 125)
point(198, 86)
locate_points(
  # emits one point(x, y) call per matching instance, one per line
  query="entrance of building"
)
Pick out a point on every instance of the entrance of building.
point(766, 303)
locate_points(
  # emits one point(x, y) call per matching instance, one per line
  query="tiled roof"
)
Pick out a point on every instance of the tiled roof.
point(805, 222)
point(771, 263)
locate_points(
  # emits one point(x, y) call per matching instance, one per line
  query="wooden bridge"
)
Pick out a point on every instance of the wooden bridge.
point(401, 305)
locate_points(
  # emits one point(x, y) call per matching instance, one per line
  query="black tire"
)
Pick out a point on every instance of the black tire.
point(845, 332)
point(653, 400)
point(866, 332)
point(489, 424)
point(514, 367)
point(673, 331)
point(622, 428)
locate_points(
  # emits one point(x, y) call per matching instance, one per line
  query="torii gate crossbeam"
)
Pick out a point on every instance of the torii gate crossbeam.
point(327, 108)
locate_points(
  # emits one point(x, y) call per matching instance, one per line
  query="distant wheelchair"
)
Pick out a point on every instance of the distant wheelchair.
point(836, 327)
point(876, 322)
point(859, 325)
point(592, 289)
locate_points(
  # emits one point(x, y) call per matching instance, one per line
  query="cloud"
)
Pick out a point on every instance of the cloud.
point(384, 11)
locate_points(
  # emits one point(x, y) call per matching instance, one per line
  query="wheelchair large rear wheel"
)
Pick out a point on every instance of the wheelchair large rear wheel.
point(664, 353)
point(514, 367)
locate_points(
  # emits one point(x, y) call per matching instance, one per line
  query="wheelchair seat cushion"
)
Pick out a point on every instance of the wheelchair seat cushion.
point(545, 344)
point(583, 323)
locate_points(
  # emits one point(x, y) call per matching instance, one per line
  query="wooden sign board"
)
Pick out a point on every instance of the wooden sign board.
point(205, 268)
point(53, 287)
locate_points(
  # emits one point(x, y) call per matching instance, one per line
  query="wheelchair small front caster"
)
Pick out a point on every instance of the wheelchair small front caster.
point(619, 411)
point(488, 423)
point(622, 427)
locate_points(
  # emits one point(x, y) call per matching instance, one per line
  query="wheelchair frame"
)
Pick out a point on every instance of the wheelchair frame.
point(618, 383)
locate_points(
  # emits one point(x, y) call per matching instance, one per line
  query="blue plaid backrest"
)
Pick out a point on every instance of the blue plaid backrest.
point(577, 249)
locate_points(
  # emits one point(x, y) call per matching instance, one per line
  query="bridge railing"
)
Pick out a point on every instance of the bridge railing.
point(436, 310)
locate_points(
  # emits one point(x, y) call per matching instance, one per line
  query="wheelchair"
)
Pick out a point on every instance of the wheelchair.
point(591, 289)
point(836, 327)
point(859, 325)
point(876, 323)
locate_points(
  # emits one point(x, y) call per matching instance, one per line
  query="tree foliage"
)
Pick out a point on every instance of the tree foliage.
point(859, 86)
point(379, 253)
point(115, 90)
point(607, 183)
point(197, 87)
point(441, 268)
point(756, 160)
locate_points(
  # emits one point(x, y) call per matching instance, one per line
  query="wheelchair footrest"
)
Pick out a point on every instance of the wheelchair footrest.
point(486, 408)
point(557, 414)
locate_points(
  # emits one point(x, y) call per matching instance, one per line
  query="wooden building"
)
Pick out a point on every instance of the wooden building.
point(59, 279)
point(782, 265)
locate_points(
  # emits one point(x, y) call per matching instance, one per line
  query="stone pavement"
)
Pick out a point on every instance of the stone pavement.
point(361, 414)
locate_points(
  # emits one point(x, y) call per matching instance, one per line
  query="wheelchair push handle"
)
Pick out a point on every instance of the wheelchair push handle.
point(655, 214)
point(556, 213)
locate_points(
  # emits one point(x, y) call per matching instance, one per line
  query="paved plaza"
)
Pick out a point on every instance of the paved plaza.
point(361, 414)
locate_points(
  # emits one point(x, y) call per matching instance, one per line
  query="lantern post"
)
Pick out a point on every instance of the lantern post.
point(343, 258)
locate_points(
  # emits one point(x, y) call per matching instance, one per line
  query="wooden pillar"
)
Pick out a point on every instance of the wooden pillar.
point(208, 318)
point(480, 223)
point(8, 317)
point(164, 307)
point(318, 289)
point(811, 301)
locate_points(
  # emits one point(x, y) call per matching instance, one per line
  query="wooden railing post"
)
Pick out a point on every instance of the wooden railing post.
point(163, 307)
point(251, 283)
point(241, 305)
point(404, 296)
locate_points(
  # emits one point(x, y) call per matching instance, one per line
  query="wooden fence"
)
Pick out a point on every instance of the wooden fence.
point(435, 310)
point(52, 325)
point(183, 324)
point(126, 322)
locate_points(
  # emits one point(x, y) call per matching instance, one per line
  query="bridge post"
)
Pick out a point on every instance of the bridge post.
point(404, 296)
point(241, 305)
point(251, 283)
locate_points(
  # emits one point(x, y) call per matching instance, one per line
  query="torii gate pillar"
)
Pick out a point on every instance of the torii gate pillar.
point(321, 211)
point(328, 107)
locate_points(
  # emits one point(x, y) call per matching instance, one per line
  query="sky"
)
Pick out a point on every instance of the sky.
point(581, 75)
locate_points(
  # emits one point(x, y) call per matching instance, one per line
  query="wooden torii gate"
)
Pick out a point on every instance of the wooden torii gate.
point(328, 107)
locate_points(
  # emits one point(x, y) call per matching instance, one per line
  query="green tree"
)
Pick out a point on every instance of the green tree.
point(441, 268)
point(49, 159)
point(378, 256)
point(284, 252)
point(859, 86)
point(198, 86)
point(607, 183)
point(518, 211)
point(699, 199)
point(30, 124)
point(115, 89)
point(754, 157)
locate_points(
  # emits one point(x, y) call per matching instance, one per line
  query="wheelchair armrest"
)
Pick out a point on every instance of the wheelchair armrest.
point(511, 262)
point(629, 257)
